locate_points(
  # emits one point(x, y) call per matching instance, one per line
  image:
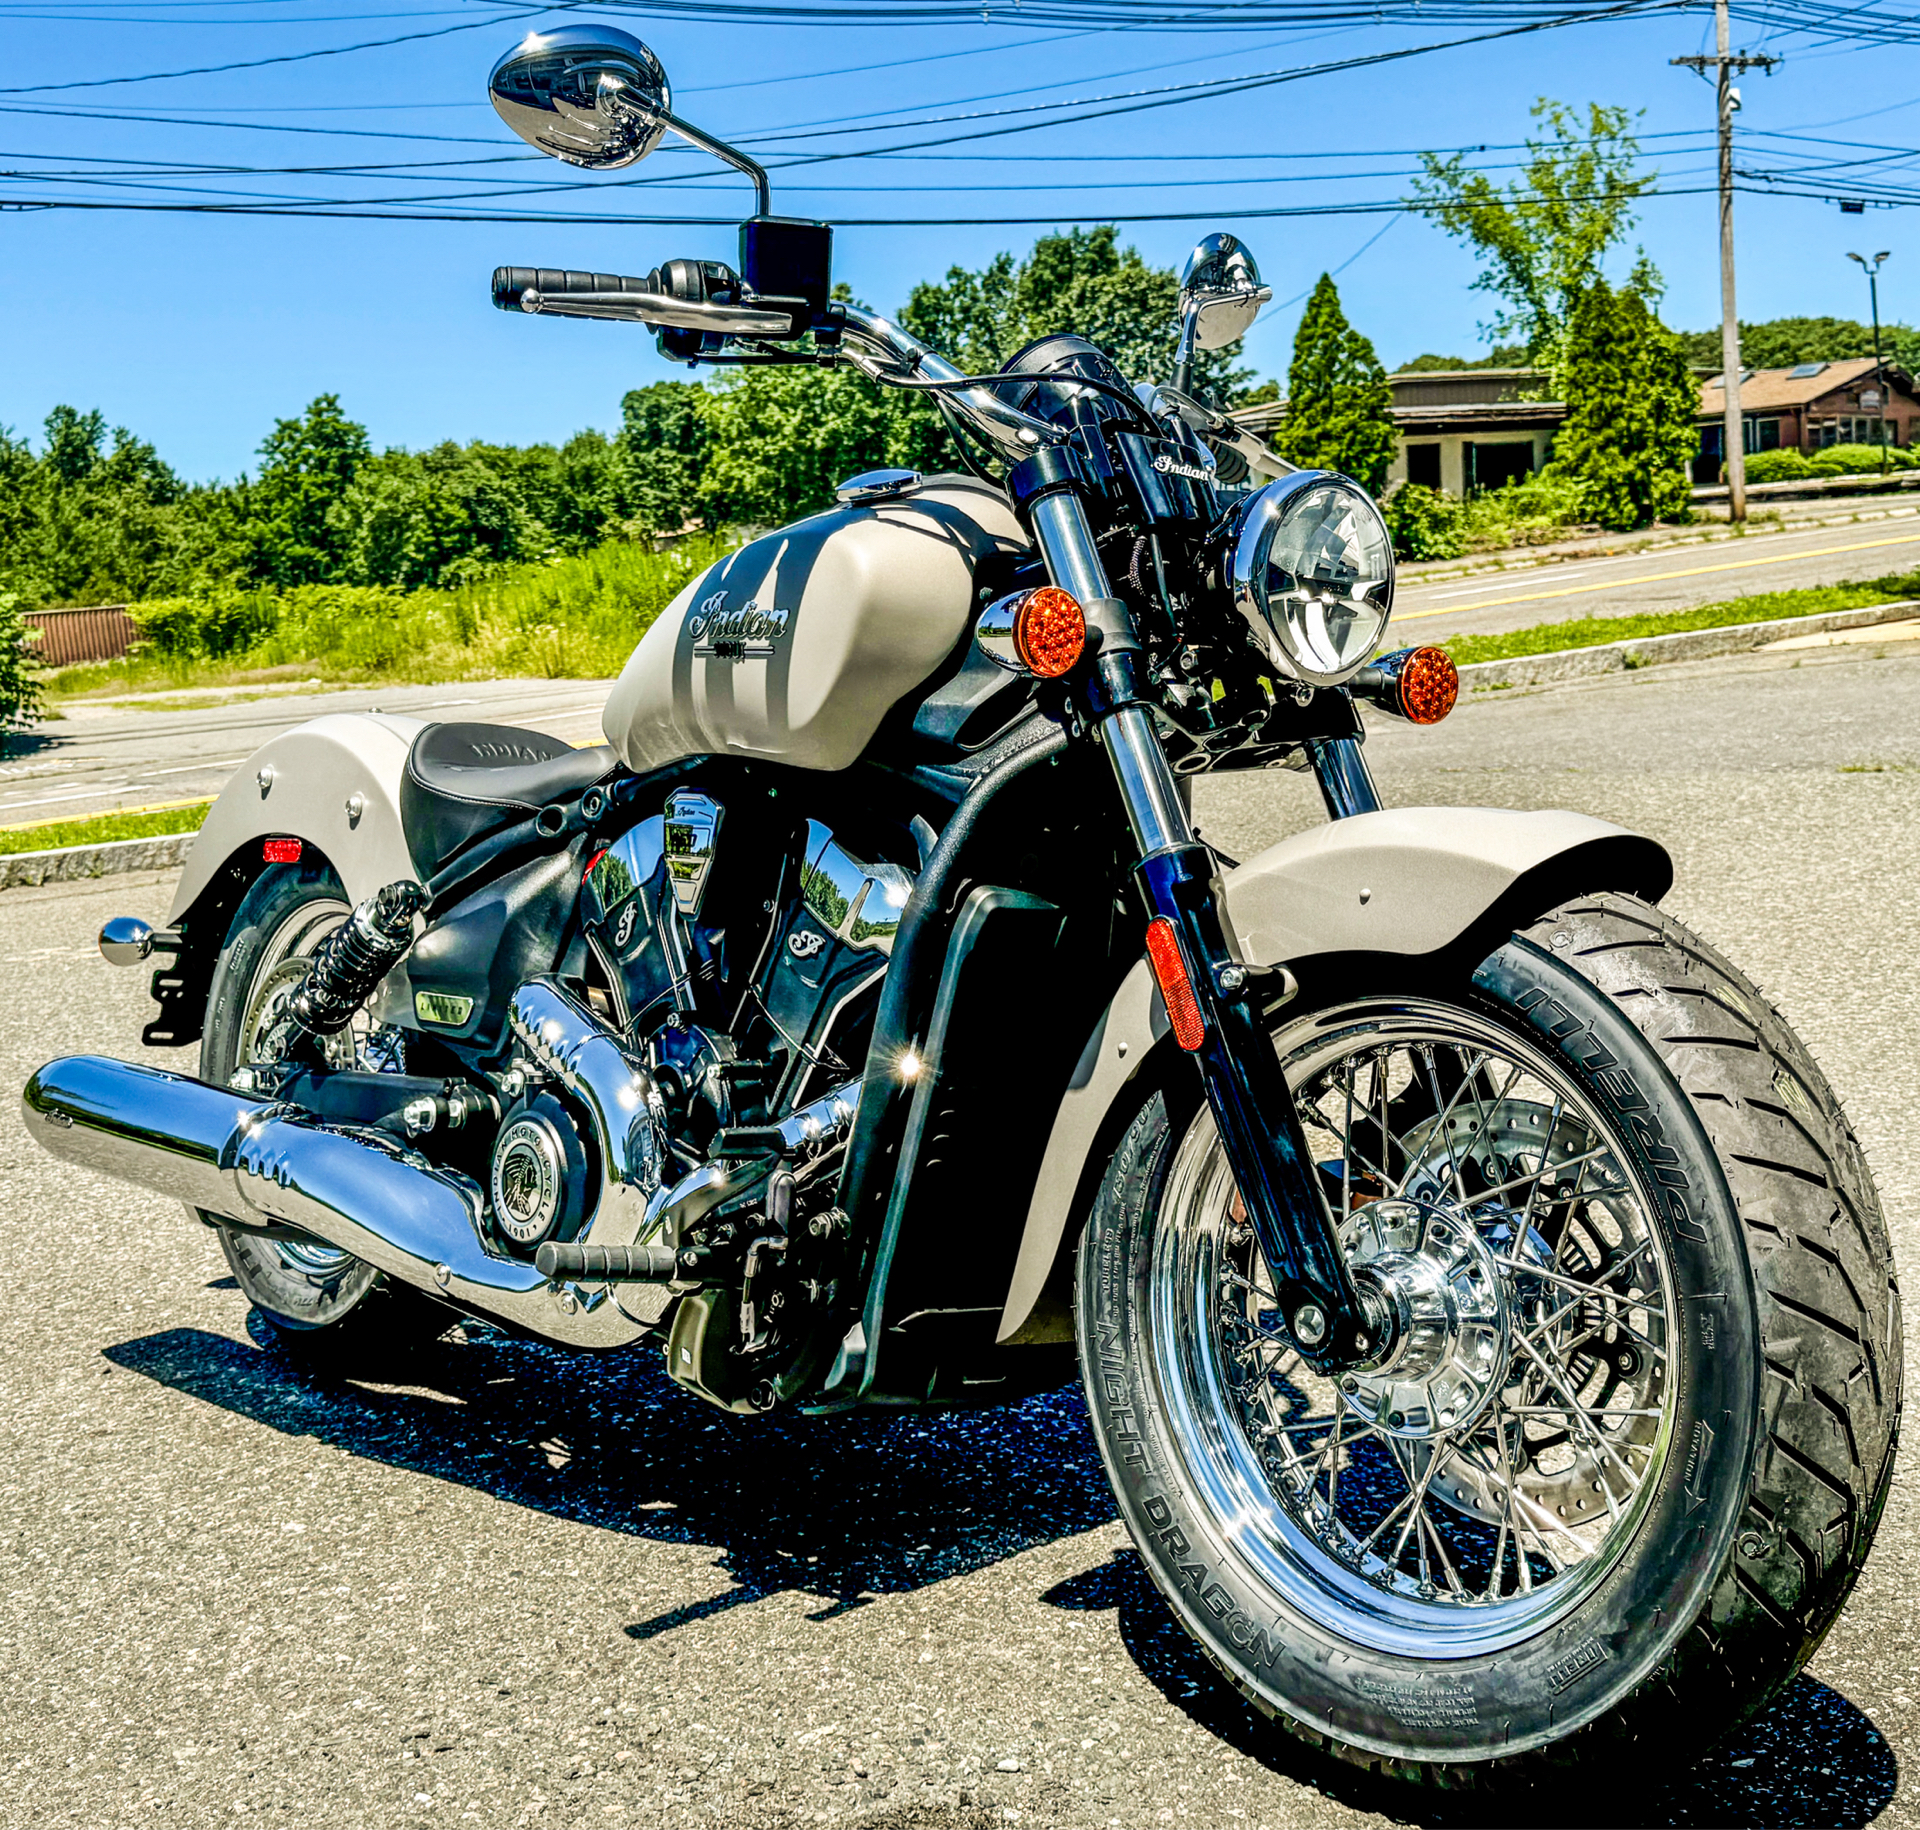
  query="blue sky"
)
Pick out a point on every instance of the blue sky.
point(196, 331)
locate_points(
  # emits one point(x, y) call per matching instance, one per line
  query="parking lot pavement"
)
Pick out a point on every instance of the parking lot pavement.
point(499, 1585)
point(1664, 579)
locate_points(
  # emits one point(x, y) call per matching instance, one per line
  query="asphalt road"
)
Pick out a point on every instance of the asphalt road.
point(1665, 578)
point(156, 750)
point(497, 1585)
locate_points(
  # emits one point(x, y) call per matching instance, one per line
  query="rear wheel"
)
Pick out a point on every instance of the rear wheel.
point(318, 1299)
point(1626, 1462)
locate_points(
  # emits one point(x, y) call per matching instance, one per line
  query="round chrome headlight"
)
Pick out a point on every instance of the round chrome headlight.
point(1312, 572)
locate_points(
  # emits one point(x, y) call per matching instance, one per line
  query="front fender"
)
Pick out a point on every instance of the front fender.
point(1406, 881)
point(335, 783)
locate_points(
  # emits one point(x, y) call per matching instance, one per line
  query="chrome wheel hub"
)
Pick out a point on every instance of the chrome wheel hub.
point(1446, 1294)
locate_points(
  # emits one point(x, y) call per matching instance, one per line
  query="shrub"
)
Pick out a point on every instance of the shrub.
point(19, 690)
point(1425, 523)
point(1777, 466)
point(1854, 460)
point(574, 618)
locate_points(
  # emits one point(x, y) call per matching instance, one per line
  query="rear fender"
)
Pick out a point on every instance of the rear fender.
point(334, 784)
point(1404, 882)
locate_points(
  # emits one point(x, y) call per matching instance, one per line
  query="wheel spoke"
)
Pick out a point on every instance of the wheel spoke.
point(1556, 1451)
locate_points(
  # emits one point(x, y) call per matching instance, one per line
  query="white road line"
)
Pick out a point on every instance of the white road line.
point(225, 762)
point(79, 794)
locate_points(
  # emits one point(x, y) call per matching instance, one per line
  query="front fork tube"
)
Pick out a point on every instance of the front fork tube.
point(1258, 1121)
point(1246, 1090)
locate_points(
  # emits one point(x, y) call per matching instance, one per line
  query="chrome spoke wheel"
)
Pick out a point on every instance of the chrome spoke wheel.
point(1477, 1484)
point(363, 1046)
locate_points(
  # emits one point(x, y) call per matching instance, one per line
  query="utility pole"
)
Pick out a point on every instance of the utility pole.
point(1724, 65)
point(1879, 374)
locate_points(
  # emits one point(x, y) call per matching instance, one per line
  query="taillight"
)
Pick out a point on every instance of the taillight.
point(1176, 988)
point(1042, 632)
point(1421, 685)
point(282, 851)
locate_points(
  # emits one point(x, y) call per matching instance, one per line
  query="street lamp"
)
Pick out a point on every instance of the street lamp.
point(1872, 270)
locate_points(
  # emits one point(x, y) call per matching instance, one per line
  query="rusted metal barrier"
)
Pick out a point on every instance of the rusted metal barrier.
point(90, 632)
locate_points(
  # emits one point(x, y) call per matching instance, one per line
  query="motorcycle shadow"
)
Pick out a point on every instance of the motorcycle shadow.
point(1812, 1759)
point(852, 1509)
point(845, 1509)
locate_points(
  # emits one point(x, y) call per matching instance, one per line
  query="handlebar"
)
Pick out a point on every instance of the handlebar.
point(681, 296)
point(612, 295)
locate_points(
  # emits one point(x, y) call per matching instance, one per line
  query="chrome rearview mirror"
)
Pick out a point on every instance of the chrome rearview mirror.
point(588, 94)
point(1220, 296)
point(594, 95)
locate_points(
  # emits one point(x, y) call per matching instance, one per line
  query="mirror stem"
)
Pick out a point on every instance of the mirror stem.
point(1183, 352)
point(721, 150)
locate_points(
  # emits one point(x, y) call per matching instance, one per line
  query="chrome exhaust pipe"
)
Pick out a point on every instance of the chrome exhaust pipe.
point(258, 1162)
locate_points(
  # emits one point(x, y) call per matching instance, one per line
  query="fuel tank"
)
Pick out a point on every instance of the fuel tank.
point(795, 647)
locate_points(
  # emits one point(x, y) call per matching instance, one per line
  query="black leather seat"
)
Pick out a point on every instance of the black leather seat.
point(464, 781)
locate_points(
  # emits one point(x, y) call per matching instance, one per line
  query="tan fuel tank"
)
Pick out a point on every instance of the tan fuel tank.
point(796, 646)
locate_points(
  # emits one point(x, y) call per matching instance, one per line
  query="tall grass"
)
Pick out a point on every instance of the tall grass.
point(575, 618)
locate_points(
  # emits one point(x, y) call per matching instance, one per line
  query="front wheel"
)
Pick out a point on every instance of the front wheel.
point(1629, 1454)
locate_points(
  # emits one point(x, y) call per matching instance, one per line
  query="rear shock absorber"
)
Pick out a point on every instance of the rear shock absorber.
point(346, 967)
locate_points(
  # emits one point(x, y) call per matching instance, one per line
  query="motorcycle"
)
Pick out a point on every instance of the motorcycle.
point(1483, 1307)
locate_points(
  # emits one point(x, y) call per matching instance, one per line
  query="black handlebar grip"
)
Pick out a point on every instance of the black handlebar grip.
point(625, 1264)
point(510, 284)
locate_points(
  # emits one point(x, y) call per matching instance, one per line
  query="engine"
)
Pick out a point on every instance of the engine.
point(692, 1109)
point(734, 1040)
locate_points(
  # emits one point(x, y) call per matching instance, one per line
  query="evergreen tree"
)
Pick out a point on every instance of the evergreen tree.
point(1339, 407)
point(1629, 431)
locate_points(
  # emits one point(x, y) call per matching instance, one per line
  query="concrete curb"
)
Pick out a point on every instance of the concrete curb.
point(1688, 645)
point(23, 869)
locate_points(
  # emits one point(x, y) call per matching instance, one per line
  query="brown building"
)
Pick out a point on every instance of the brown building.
point(1808, 408)
point(1460, 430)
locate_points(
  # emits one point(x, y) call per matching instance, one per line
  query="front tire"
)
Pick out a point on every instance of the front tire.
point(1619, 1502)
point(318, 1301)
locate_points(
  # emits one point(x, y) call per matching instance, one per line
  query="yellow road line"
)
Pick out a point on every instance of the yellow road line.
point(1648, 578)
point(74, 819)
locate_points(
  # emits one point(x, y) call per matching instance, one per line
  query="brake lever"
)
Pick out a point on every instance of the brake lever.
point(658, 310)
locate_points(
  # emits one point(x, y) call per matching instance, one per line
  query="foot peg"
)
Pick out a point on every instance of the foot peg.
point(615, 1264)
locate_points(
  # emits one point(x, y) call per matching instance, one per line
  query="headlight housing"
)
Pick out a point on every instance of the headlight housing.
point(1311, 569)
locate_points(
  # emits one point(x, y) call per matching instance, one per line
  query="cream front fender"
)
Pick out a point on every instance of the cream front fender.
point(1405, 881)
point(335, 783)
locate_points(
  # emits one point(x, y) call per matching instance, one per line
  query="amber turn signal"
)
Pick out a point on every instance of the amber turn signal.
point(1041, 632)
point(1420, 685)
point(1176, 988)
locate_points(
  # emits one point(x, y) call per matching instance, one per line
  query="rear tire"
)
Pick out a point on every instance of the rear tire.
point(1746, 1449)
point(318, 1301)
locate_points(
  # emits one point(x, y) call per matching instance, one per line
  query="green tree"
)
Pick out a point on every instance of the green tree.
point(1543, 238)
point(310, 463)
point(1501, 356)
point(1629, 431)
point(1081, 281)
point(782, 438)
point(1339, 407)
point(661, 452)
point(1780, 343)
